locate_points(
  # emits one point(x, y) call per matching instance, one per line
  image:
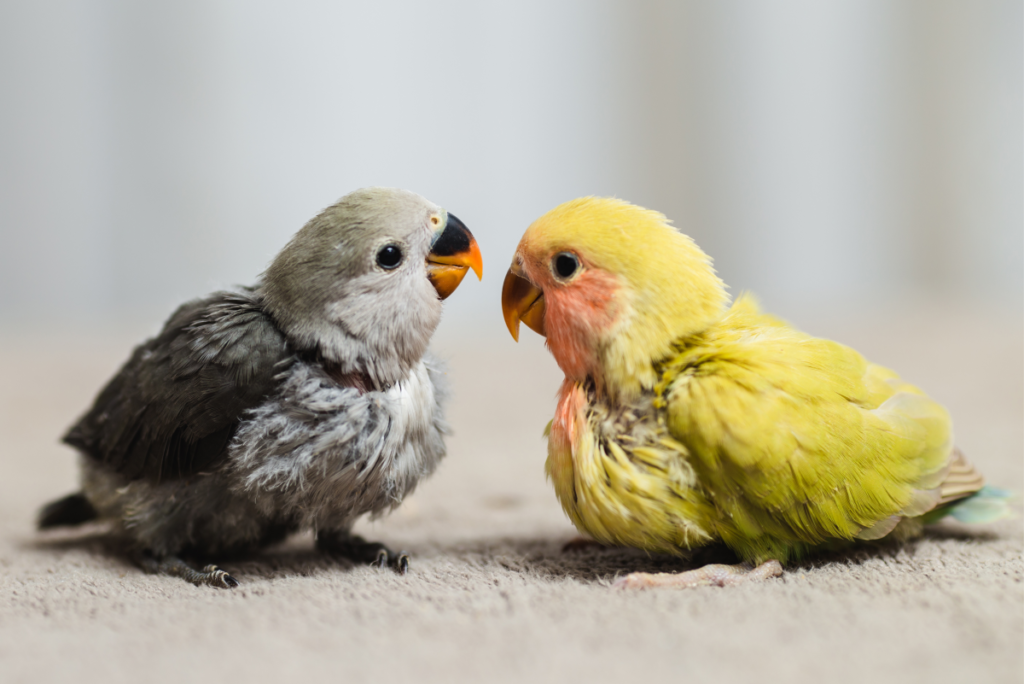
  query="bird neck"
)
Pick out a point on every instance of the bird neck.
point(379, 355)
point(628, 357)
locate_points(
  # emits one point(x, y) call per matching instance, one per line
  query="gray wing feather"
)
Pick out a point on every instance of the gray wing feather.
point(173, 408)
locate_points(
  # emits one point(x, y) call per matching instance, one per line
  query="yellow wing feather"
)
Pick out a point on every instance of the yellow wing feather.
point(798, 440)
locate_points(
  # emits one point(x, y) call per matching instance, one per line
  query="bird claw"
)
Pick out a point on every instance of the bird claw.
point(402, 563)
point(357, 549)
point(219, 578)
point(709, 575)
point(210, 575)
point(399, 562)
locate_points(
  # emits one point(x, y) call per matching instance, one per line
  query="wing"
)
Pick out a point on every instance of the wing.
point(173, 408)
point(800, 440)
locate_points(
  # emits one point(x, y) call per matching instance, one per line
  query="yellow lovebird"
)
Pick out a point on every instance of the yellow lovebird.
point(684, 421)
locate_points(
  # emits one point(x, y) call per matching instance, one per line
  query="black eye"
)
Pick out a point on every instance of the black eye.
point(389, 257)
point(566, 264)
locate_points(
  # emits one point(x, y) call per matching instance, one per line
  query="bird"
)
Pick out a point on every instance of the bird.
point(684, 420)
point(301, 402)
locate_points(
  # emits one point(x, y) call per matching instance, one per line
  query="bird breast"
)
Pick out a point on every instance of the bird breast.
point(328, 453)
point(621, 477)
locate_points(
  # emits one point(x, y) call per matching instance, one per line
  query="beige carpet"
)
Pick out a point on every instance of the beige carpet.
point(490, 596)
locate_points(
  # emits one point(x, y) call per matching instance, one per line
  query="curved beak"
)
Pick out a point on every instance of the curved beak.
point(453, 252)
point(521, 300)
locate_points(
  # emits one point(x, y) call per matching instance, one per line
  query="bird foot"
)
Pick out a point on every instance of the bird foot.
point(210, 575)
point(709, 575)
point(357, 549)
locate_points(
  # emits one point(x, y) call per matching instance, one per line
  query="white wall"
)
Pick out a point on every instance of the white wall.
point(838, 153)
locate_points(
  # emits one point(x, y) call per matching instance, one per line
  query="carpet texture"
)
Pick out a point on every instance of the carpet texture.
point(491, 596)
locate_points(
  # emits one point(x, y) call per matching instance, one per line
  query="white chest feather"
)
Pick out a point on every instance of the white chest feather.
point(323, 451)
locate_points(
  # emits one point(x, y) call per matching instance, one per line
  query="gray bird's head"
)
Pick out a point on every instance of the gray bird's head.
point(362, 283)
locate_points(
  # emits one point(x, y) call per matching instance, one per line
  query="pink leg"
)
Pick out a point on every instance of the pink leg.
point(709, 575)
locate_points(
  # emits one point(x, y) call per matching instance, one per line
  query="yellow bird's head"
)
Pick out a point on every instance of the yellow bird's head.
point(612, 286)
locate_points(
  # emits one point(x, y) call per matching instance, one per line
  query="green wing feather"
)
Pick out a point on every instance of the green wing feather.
point(799, 440)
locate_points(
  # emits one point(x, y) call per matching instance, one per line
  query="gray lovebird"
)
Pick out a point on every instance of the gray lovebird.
point(302, 402)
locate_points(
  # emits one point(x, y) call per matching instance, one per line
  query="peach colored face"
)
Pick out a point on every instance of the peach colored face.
point(560, 295)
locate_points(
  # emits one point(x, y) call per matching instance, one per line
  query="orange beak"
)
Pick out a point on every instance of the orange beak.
point(521, 300)
point(453, 252)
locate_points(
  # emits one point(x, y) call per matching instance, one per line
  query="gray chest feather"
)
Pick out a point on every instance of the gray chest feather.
point(322, 454)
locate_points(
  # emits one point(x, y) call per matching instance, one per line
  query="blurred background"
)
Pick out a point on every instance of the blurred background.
point(831, 156)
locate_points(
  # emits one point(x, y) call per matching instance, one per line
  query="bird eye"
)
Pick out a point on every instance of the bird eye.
point(389, 257)
point(565, 265)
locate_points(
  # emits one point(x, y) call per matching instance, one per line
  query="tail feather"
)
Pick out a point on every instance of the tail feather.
point(987, 505)
point(962, 480)
point(965, 496)
point(73, 509)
